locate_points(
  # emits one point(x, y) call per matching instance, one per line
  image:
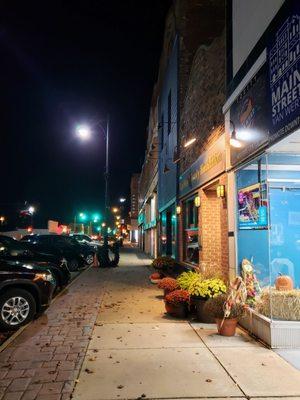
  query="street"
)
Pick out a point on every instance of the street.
point(107, 337)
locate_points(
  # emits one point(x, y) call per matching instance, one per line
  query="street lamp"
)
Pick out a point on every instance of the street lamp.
point(122, 200)
point(84, 133)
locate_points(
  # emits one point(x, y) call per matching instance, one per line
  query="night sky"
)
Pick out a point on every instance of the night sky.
point(64, 63)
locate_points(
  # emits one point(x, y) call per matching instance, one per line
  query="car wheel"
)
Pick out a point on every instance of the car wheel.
point(73, 265)
point(89, 259)
point(17, 308)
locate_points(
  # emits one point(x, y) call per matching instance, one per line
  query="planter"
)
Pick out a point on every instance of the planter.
point(228, 327)
point(154, 280)
point(276, 334)
point(177, 310)
point(202, 315)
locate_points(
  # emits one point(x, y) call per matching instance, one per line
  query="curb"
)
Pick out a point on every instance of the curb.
point(8, 341)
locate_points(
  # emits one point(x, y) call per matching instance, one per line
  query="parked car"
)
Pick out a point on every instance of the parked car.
point(56, 245)
point(84, 248)
point(86, 239)
point(25, 291)
point(13, 250)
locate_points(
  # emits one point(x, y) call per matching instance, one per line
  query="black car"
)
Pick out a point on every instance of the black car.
point(13, 250)
point(86, 249)
point(25, 291)
point(56, 245)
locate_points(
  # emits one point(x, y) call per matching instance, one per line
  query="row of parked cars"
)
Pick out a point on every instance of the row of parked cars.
point(33, 268)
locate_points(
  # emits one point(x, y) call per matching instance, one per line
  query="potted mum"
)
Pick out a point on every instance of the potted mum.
point(203, 290)
point(163, 264)
point(176, 303)
point(168, 285)
point(226, 312)
point(155, 277)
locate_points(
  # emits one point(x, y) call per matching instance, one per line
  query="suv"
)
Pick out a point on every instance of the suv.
point(25, 291)
point(56, 245)
point(11, 249)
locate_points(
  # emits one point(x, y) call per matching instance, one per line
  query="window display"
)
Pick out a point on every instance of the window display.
point(191, 244)
point(268, 236)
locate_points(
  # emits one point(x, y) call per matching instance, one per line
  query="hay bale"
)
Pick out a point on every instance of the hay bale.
point(281, 305)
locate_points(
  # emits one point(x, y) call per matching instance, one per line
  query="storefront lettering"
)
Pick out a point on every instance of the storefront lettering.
point(203, 169)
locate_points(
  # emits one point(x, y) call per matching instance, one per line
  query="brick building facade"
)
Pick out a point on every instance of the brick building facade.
point(147, 219)
point(190, 92)
point(134, 193)
point(204, 162)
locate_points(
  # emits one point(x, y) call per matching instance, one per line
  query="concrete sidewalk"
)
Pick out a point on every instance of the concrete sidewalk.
point(108, 335)
point(137, 352)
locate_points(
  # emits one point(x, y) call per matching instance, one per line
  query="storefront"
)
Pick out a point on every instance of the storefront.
point(168, 228)
point(264, 138)
point(202, 211)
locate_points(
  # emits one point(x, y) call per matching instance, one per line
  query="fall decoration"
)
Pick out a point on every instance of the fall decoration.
point(284, 282)
point(251, 282)
point(155, 277)
point(176, 303)
point(178, 296)
point(188, 280)
point(277, 304)
point(208, 288)
point(163, 262)
point(168, 285)
point(227, 308)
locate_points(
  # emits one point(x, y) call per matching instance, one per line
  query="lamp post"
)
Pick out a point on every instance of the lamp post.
point(84, 133)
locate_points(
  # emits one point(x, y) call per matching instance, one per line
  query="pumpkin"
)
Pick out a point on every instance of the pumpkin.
point(284, 282)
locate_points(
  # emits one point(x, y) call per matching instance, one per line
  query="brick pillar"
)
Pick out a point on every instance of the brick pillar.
point(213, 229)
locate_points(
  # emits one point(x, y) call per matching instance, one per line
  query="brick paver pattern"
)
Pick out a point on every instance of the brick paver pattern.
point(44, 361)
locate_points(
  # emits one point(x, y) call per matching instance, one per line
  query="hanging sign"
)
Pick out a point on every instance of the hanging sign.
point(283, 52)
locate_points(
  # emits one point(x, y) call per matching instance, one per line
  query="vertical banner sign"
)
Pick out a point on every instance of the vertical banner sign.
point(284, 74)
point(249, 114)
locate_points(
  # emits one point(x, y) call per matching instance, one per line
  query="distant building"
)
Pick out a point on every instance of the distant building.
point(134, 193)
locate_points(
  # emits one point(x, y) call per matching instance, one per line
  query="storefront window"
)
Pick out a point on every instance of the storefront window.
point(268, 222)
point(191, 244)
point(168, 232)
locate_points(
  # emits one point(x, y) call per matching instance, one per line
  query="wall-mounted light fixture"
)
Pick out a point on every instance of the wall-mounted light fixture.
point(189, 142)
point(178, 210)
point(234, 142)
point(221, 191)
point(197, 201)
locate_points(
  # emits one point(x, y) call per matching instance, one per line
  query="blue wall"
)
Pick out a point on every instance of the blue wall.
point(278, 248)
point(167, 181)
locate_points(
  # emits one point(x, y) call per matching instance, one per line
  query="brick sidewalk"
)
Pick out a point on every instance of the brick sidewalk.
point(44, 361)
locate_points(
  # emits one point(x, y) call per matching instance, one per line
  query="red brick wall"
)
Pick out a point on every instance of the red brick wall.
point(213, 228)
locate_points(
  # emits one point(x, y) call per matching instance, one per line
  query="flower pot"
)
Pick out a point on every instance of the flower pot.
point(154, 280)
point(177, 310)
point(202, 315)
point(228, 327)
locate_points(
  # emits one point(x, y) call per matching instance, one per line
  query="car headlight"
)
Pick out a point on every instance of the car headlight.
point(44, 277)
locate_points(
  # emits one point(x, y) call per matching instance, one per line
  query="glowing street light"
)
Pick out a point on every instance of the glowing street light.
point(31, 210)
point(122, 200)
point(115, 210)
point(83, 132)
point(118, 217)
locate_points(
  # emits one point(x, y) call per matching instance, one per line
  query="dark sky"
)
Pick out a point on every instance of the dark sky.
point(68, 62)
